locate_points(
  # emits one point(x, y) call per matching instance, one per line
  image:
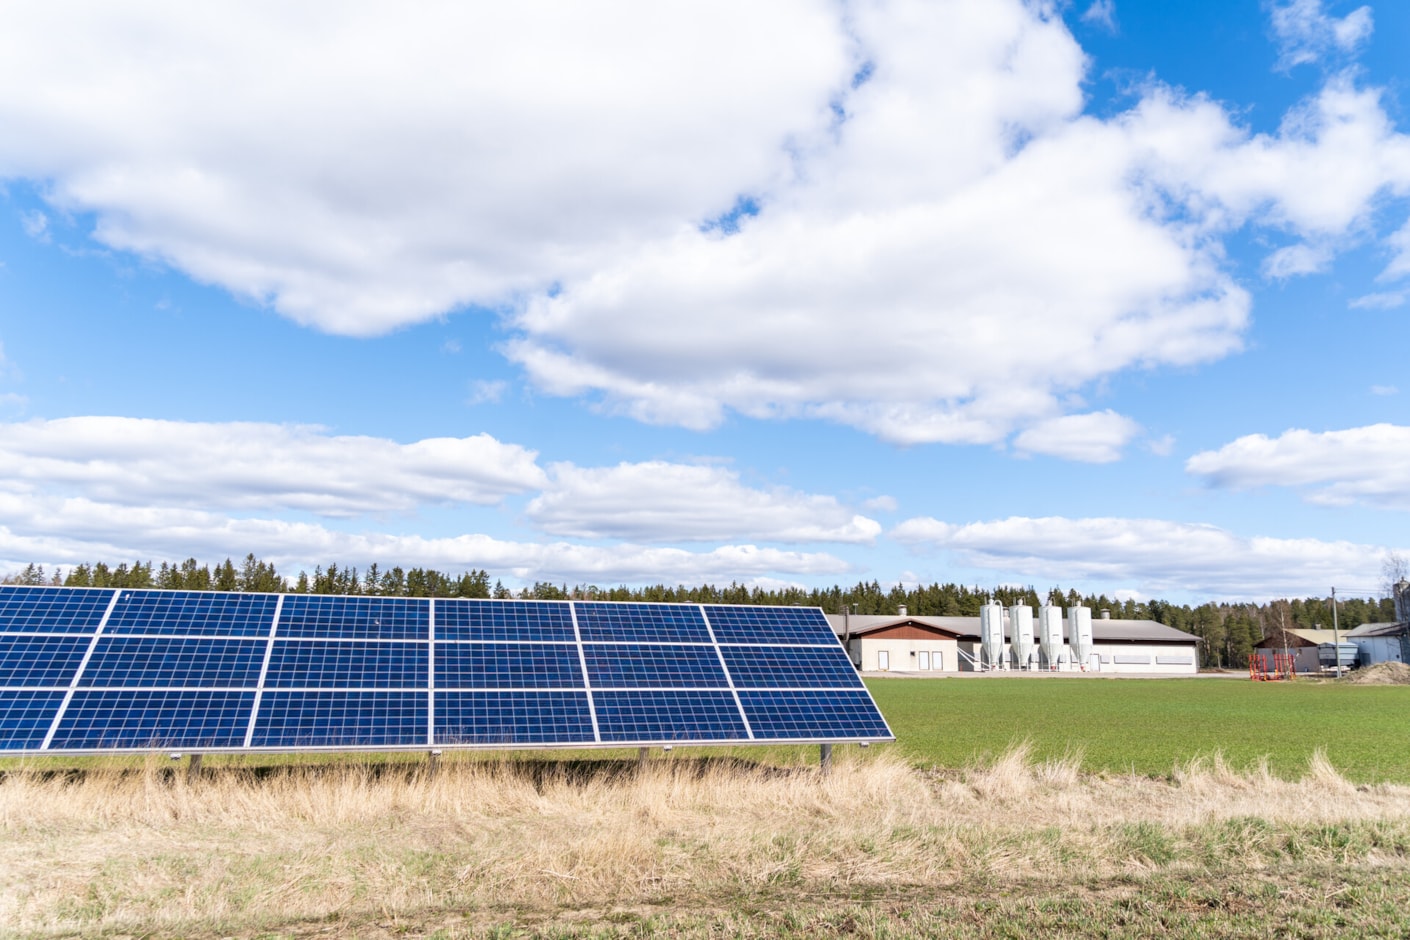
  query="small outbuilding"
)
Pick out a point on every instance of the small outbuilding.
point(1380, 643)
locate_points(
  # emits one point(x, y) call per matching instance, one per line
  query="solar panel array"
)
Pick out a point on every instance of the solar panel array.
point(88, 669)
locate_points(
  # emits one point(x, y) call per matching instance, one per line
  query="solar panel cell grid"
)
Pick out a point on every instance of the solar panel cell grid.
point(812, 714)
point(513, 718)
point(498, 620)
point(30, 661)
point(193, 613)
point(508, 666)
point(25, 717)
point(787, 625)
point(132, 661)
point(181, 669)
point(363, 618)
point(151, 718)
point(670, 715)
point(641, 623)
point(340, 719)
point(331, 664)
point(635, 665)
point(789, 667)
point(51, 610)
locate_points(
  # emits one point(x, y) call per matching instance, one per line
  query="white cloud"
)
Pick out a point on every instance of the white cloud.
point(1162, 446)
point(965, 203)
point(81, 530)
point(1399, 243)
point(1294, 260)
point(249, 466)
point(1101, 13)
point(1150, 557)
point(35, 224)
point(1305, 33)
point(1388, 300)
point(881, 504)
point(1096, 437)
point(977, 228)
point(948, 250)
point(1368, 465)
point(666, 502)
point(362, 165)
point(486, 391)
point(1384, 390)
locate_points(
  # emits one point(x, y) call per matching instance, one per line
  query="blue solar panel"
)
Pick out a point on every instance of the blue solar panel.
point(29, 661)
point(201, 670)
point(513, 718)
point(25, 717)
point(627, 666)
point(813, 714)
point(641, 623)
point(132, 661)
point(334, 664)
point(51, 609)
point(508, 666)
point(670, 715)
point(153, 718)
point(340, 719)
point(788, 625)
point(789, 667)
point(358, 618)
point(498, 620)
point(193, 613)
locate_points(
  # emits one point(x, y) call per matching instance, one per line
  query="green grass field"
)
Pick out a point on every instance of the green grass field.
point(1150, 725)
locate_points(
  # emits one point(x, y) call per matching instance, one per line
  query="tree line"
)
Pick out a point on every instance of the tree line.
point(1228, 631)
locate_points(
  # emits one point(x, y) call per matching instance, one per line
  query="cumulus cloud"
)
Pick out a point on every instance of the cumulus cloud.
point(659, 501)
point(1097, 437)
point(251, 466)
point(851, 226)
point(962, 221)
point(1305, 33)
point(81, 530)
point(362, 165)
point(1150, 557)
point(1368, 465)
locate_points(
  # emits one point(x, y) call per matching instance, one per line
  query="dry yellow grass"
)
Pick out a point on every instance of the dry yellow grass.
point(235, 851)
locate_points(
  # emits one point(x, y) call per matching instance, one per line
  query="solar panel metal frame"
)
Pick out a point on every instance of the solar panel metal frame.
point(785, 629)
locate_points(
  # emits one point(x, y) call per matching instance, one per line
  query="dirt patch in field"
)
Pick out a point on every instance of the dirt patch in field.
point(1382, 674)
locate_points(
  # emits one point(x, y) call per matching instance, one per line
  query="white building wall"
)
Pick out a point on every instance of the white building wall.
point(1152, 658)
point(904, 655)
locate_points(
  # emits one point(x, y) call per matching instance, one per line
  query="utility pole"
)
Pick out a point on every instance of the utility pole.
point(1336, 634)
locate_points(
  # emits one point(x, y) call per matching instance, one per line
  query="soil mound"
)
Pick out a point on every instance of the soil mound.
point(1382, 674)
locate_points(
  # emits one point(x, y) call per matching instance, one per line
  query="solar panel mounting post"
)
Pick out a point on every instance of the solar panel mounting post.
point(825, 758)
point(193, 769)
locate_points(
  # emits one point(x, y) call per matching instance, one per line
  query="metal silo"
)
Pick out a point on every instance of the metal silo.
point(1079, 634)
point(1050, 635)
point(1021, 630)
point(991, 634)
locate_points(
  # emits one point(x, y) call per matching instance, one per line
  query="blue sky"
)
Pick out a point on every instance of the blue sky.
point(1106, 295)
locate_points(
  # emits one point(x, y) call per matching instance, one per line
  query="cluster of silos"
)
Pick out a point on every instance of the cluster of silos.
point(1060, 642)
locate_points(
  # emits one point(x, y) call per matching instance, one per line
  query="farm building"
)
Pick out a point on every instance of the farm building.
point(1380, 643)
point(903, 642)
point(1304, 646)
